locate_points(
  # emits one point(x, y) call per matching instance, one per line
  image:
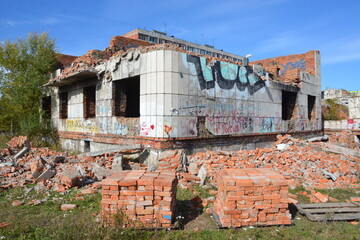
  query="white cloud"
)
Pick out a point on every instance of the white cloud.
point(14, 23)
point(341, 50)
point(282, 41)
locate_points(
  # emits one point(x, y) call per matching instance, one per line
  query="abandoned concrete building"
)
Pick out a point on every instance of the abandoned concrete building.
point(163, 96)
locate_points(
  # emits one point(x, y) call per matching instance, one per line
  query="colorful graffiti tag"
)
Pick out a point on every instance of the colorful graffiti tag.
point(226, 75)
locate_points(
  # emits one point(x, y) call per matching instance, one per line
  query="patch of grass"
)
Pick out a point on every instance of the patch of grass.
point(184, 194)
point(47, 221)
point(341, 194)
point(203, 192)
point(3, 140)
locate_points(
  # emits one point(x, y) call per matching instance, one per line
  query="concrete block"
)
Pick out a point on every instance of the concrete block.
point(241, 108)
point(160, 61)
point(160, 103)
point(183, 105)
point(159, 126)
point(168, 61)
point(152, 82)
point(183, 63)
point(175, 102)
point(136, 67)
point(153, 61)
point(153, 126)
point(167, 82)
point(148, 62)
point(183, 84)
point(124, 68)
point(201, 106)
point(193, 105)
point(143, 63)
point(143, 105)
point(175, 61)
point(170, 124)
point(143, 84)
point(153, 104)
point(193, 85)
point(160, 82)
point(251, 108)
point(175, 78)
point(169, 110)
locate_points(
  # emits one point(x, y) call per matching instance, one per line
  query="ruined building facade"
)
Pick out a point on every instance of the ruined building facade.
point(162, 96)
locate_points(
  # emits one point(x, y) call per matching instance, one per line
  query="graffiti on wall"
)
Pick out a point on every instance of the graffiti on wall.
point(78, 125)
point(103, 125)
point(146, 128)
point(301, 64)
point(226, 75)
point(120, 129)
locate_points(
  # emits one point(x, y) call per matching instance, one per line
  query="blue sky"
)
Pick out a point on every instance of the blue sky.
point(263, 28)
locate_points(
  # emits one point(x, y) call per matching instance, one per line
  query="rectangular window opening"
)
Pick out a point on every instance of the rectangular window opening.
point(46, 106)
point(86, 146)
point(89, 101)
point(288, 103)
point(63, 97)
point(126, 97)
point(311, 107)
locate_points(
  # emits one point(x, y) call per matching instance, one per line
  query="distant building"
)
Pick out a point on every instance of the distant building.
point(158, 37)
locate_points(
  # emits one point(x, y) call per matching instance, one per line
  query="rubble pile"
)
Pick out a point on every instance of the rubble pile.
point(252, 196)
point(59, 171)
point(300, 162)
point(345, 138)
point(141, 199)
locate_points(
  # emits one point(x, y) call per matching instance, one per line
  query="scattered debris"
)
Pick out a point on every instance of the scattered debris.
point(66, 207)
point(16, 203)
point(4, 224)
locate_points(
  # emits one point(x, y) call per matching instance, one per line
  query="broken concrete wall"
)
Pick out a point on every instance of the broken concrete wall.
point(347, 124)
point(183, 96)
point(186, 96)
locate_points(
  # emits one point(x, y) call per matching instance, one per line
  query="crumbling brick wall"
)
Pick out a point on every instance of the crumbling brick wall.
point(287, 69)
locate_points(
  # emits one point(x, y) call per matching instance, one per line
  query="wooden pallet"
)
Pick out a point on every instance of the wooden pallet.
point(330, 211)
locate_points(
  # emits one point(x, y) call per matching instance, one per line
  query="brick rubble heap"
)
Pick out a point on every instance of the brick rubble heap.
point(251, 196)
point(146, 199)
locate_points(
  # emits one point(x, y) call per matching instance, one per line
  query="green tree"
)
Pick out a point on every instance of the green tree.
point(25, 65)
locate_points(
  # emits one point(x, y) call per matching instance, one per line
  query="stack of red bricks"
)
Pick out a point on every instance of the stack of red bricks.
point(142, 199)
point(253, 196)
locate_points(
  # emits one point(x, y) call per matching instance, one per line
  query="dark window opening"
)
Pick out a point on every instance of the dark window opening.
point(126, 97)
point(311, 107)
point(288, 103)
point(63, 105)
point(46, 106)
point(89, 102)
point(357, 138)
point(278, 72)
point(86, 146)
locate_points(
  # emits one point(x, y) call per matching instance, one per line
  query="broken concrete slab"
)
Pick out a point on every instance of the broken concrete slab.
point(70, 177)
point(117, 164)
point(111, 150)
point(101, 172)
point(202, 175)
point(21, 153)
point(59, 159)
point(318, 139)
point(193, 168)
point(341, 150)
point(47, 174)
